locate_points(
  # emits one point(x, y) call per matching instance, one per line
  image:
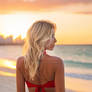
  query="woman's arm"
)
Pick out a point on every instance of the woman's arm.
point(20, 82)
point(59, 77)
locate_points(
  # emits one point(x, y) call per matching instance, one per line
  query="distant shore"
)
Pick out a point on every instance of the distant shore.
point(13, 44)
point(56, 44)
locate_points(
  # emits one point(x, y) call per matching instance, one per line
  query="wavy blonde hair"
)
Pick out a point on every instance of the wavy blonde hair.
point(35, 43)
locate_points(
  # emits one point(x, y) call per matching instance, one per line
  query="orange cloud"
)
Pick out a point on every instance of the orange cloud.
point(37, 5)
point(83, 12)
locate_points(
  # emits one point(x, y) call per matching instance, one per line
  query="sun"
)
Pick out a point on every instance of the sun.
point(16, 24)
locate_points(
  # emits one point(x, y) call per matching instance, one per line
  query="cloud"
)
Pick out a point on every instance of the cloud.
point(86, 13)
point(38, 5)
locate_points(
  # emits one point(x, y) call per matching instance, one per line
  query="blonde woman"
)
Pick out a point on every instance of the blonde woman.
point(40, 71)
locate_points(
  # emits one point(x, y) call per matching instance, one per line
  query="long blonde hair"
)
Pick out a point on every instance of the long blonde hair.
point(34, 45)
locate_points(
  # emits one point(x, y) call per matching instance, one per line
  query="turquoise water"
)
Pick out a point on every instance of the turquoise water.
point(78, 57)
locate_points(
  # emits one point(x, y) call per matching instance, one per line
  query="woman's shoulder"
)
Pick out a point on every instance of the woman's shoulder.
point(58, 63)
point(56, 59)
point(19, 62)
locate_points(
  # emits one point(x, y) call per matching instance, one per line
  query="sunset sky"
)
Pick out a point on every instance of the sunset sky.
point(72, 17)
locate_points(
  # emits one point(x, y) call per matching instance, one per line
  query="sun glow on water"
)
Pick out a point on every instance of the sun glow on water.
point(7, 64)
point(7, 74)
point(10, 64)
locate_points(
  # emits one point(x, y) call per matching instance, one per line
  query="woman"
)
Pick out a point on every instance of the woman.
point(38, 70)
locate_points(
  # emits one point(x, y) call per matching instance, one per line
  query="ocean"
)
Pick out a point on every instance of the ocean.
point(77, 65)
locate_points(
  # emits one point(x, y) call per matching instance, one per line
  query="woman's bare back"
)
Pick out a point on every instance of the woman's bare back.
point(51, 68)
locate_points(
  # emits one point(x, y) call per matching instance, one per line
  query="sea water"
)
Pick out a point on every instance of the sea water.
point(77, 64)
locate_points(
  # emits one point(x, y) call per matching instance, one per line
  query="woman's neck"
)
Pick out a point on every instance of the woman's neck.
point(44, 52)
point(44, 55)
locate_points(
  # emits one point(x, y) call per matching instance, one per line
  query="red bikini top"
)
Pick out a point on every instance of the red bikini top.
point(47, 85)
